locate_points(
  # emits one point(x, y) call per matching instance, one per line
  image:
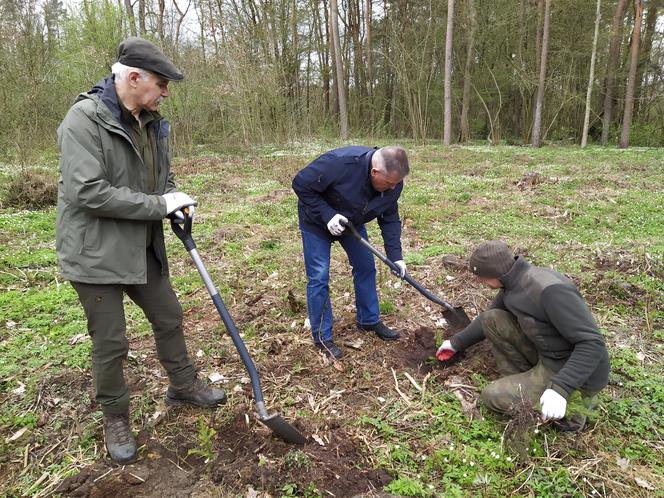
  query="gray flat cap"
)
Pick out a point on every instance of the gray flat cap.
point(141, 53)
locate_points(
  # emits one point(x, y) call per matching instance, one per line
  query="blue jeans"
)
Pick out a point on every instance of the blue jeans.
point(317, 266)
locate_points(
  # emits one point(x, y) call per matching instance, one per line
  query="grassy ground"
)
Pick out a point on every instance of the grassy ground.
point(596, 215)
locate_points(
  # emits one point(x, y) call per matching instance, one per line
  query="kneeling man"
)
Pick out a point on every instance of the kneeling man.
point(543, 336)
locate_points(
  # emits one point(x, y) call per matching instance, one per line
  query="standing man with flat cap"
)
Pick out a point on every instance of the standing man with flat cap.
point(114, 190)
point(351, 184)
point(543, 336)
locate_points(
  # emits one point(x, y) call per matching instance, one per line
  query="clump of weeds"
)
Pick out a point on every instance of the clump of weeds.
point(30, 189)
point(521, 429)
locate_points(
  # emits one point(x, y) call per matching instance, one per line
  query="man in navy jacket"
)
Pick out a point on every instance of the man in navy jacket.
point(351, 184)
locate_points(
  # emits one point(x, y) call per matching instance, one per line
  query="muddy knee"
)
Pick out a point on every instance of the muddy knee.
point(501, 396)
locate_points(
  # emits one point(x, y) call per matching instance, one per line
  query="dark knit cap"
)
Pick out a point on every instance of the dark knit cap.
point(141, 53)
point(491, 259)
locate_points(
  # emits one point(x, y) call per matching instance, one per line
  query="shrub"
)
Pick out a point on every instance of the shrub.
point(30, 189)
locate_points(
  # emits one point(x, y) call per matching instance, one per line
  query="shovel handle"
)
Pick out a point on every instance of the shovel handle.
point(396, 269)
point(182, 229)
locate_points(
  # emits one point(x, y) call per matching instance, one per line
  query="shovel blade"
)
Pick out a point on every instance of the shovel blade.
point(283, 429)
point(458, 319)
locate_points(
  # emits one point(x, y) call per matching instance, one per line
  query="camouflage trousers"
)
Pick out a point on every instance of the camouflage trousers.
point(525, 376)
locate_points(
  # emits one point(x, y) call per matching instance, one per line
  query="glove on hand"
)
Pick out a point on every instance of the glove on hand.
point(553, 405)
point(176, 201)
point(402, 267)
point(445, 351)
point(334, 225)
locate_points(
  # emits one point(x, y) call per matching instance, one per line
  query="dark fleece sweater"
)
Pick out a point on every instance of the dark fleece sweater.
point(554, 316)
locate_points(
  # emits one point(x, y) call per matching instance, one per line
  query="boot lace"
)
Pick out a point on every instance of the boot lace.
point(118, 427)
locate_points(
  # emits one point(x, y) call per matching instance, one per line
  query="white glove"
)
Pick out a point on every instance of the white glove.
point(553, 405)
point(334, 225)
point(176, 201)
point(402, 267)
point(445, 351)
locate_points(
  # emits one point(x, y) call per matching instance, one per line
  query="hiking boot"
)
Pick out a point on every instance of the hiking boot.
point(382, 331)
point(119, 440)
point(197, 392)
point(330, 349)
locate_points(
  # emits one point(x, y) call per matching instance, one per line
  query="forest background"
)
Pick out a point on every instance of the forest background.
point(265, 71)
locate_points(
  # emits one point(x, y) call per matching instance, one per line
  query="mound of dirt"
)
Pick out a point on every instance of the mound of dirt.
point(327, 463)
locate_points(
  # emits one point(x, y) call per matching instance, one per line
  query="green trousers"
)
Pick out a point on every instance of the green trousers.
point(525, 376)
point(106, 325)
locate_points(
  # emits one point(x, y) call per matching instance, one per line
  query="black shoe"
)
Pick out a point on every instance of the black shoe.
point(120, 442)
point(382, 331)
point(330, 349)
point(197, 393)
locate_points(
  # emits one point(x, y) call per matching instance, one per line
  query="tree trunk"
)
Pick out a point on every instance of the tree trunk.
point(517, 91)
point(160, 21)
point(631, 80)
point(539, 103)
point(141, 17)
point(323, 50)
point(645, 51)
point(447, 119)
point(367, 20)
point(181, 15)
point(130, 17)
point(611, 66)
point(538, 35)
point(355, 27)
point(465, 104)
point(339, 73)
point(591, 78)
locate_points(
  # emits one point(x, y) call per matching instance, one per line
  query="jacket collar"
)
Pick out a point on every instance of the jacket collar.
point(519, 267)
point(104, 92)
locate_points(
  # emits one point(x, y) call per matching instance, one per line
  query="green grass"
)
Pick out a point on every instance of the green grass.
point(596, 215)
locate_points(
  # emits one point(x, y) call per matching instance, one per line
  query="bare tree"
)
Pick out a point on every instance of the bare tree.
point(161, 14)
point(470, 47)
point(367, 19)
point(323, 48)
point(339, 72)
point(538, 35)
point(591, 78)
point(130, 17)
point(539, 103)
point(631, 79)
point(611, 66)
point(645, 51)
point(447, 119)
point(181, 15)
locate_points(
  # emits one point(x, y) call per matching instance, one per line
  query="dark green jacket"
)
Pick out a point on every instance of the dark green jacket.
point(103, 209)
point(556, 319)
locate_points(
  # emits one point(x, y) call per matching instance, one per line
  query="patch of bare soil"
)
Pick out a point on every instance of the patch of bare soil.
point(323, 400)
point(155, 474)
point(328, 463)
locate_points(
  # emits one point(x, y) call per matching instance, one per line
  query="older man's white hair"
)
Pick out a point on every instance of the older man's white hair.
point(121, 71)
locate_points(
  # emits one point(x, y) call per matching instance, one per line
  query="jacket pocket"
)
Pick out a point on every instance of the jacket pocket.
point(91, 236)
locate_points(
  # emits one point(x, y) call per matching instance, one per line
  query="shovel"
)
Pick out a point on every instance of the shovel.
point(278, 425)
point(454, 315)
